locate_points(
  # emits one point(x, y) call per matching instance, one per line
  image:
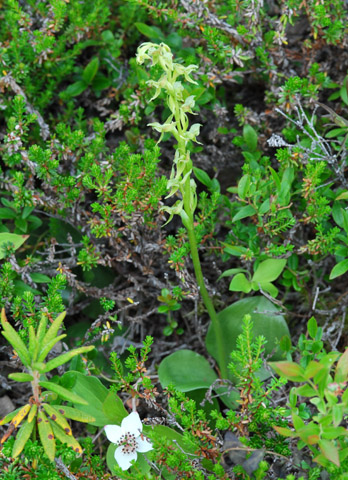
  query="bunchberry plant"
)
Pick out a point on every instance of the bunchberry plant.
point(129, 439)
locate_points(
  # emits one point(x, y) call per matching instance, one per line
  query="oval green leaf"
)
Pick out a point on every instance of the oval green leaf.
point(339, 269)
point(99, 403)
point(46, 435)
point(65, 357)
point(267, 321)
point(63, 393)
point(16, 240)
point(22, 438)
point(269, 270)
point(186, 370)
point(21, 377)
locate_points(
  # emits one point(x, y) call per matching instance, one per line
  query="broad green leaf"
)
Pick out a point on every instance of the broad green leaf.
point(336, 132)
point(338, 214)
point(90, 70)
point(100, 82)
point(290, 370)
point(287, 179)
point(40, 278)
point(46, 435)
point(312, 369)
point(75, 414)
point(229, 397)
point(250, 137)
point(297, 421)
point(235, 250)
point(76, 88)
point(330, 451)
point(48, 347)
point(306, 391)
point(174, 41)
point(342, 196)
point(199, 396)
point(310, 434)
point(240, 283)
point(269, 270)
point(21, 224)
point(244, 212)
point(107, 36)
point(16, 240)
point(178, 369)
point(243, 186)
point(202, 176)
point(14, 339)
point(344, 93)
point(341, 373)
point(265, 206)
point(276, 178)
point(266, 321)
point(41, 331)
point(7, 418)
point(337, 119)
point(331, 433)
point(339, 269)
point(20, 416)
point(66, 357)
point(7, 214)
point(152, 33)
point(64, 438)
point(57, 417)
point(286, 432)
point(21, 377)
point(285, 344)
point(21, 438)
point(33, 344)
point(329, 359)
point(114, 409)
point(39, 366)
point(94, 392)
point(319, 403)
point(337, 414)
point(27, 211)
point(312, 327)
point(162, 431)
point(232, 271)
point(64, 393)
point(21, 288)
point(32, 413)
point(266, 287)
point(53, 329)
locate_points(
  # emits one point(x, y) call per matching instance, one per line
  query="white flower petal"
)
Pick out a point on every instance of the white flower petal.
point(143, 445)
point(132, 424)
point(113, 432)
point(124, 459)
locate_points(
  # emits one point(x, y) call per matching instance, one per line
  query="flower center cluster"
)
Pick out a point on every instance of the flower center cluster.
point(128, 443)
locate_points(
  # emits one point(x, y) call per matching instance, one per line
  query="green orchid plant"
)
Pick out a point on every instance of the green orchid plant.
point(43, 413)
point(226, 325)
point(181, 181)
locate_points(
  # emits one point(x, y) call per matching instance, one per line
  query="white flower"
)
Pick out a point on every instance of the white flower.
point(129, 439)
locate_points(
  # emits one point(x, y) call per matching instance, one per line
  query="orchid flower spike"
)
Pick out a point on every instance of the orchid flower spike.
point(129, 439)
